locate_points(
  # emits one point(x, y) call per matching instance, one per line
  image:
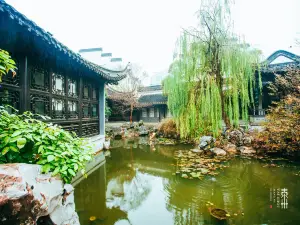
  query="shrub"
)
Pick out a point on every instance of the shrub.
point(282, 129)
point(167, 128)
point(24, 139)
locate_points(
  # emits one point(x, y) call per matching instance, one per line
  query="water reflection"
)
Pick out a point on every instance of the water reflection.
point(137, 186)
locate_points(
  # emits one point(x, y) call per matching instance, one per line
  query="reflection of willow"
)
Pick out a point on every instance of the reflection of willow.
point(231, 190)
point(127, 189)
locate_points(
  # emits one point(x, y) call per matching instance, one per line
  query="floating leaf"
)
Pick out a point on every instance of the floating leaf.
point(184, 176)
point(92, 218)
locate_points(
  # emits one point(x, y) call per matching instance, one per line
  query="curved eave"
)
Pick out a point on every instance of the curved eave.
point(109, 76)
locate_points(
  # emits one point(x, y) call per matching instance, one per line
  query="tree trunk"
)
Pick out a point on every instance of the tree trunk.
point(219, 79)
point(131, 111)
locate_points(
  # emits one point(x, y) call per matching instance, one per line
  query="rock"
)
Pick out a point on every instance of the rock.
point(230, 148)
point(218, 151)
point(205, 142)
point(27, 195)
point(106, 144)
point(152, 136)
point(235, 137)
point(247, 141)
point(246, 150)
point(141, 122)
point(198, 151)
point(143, 131)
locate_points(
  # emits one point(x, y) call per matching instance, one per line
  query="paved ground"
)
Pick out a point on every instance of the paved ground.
point(120, 123)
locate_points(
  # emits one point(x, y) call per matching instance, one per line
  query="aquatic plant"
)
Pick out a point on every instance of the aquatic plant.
point(24, 139)
point(213, 76)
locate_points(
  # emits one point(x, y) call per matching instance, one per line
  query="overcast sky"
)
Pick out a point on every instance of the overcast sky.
point(145, 31)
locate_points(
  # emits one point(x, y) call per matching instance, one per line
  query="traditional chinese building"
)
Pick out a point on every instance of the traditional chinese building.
point(153, 104)
point(51, 79)
point(277, 63)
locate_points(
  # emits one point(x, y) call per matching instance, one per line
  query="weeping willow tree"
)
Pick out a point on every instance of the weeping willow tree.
point(213, 76)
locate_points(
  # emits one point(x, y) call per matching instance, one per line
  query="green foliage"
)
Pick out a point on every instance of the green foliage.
point(213, 77)
point(107, 109)
point(6, 64)
point(24, 139)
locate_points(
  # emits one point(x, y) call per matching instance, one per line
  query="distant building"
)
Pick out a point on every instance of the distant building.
point(105, 59)
point(153, 104)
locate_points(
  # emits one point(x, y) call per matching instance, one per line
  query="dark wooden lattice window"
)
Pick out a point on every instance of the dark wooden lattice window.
point(95, 110)
point(72, 88)
point(73, 109)
point(86, 110)
point(86, 91)
point(58, 108)
point(39, 104)
point(39, 80)
point(58, 84)
point(94, 93)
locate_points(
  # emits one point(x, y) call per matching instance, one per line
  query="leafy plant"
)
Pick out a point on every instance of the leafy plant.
point(24, 139)
point(6, 64)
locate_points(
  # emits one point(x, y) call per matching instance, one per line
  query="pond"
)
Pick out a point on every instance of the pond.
point(137, 186)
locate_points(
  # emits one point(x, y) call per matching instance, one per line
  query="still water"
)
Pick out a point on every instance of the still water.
point(137, 186)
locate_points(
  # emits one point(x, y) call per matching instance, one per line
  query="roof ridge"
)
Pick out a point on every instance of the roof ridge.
point(46, 36)
point(280, 52)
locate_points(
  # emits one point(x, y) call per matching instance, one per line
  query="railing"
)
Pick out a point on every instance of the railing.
point(258, 112)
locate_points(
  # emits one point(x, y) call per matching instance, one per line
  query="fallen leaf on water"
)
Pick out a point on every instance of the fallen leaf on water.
point(184, 176)
point(92, 218)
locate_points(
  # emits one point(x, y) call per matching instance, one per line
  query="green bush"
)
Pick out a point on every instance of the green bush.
point(24, 139)
point(6, 64)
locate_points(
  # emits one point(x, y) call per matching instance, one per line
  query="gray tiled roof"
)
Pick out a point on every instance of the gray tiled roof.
point(32, 29)
point(153, 99)
point(268, 67)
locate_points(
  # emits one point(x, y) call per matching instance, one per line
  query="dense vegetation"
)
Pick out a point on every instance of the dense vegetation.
point(24, 139)
point(282, 129)
point(6, 64)
point(213, 77)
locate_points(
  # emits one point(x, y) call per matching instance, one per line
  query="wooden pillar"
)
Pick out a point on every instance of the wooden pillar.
point(25, 97)
point(101, 109)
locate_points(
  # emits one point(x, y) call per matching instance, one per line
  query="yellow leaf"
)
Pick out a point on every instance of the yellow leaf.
point(92, 218)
